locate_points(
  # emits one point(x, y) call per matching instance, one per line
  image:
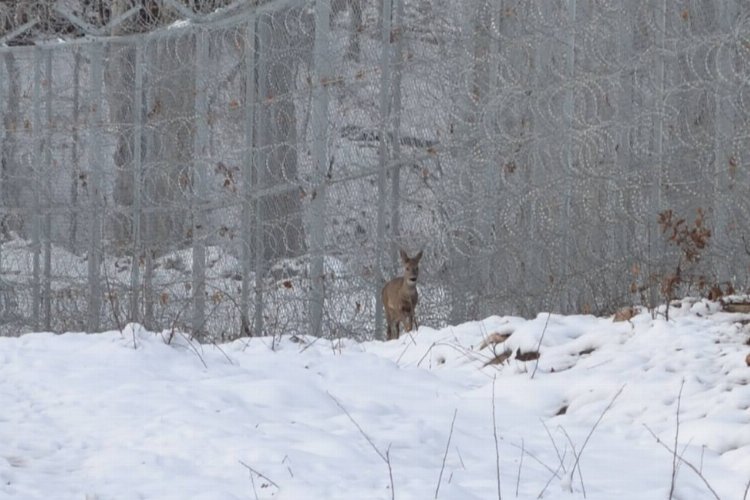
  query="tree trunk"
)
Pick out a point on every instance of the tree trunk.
point(11, 192)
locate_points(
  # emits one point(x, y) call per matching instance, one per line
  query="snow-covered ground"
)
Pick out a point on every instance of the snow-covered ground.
point(92, 417)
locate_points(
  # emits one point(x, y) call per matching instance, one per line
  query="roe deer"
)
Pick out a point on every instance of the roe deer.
point(400, 297)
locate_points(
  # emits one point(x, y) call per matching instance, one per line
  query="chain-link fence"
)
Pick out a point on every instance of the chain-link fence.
point(247, 167)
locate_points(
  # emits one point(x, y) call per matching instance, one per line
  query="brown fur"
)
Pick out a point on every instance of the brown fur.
point(400, 298)
point(625, 314)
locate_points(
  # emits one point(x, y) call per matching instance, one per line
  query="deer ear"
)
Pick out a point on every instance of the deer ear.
point(418, 256)
point(403, 255)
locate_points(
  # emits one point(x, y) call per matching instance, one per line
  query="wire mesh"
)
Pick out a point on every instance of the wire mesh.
point(238, 168)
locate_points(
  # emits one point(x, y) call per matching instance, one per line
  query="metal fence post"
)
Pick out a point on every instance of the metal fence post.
point(656, 205)
point(137, 184)
point(47, 226)
point(247, 188)
point(262, 32)
point(395, 135)
point(3, 82)
point(35, 168)
point(624, 234)
point(381, 248)
point(96, 201)
point(724, 136)
point(320, 159)
point(200, 167)
point(568, 111)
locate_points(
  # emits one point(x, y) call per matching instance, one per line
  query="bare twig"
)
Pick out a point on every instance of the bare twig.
point(193, 348)
point(747, 489)
point(447, 446)
point(114, 306)
point(315, 340)
point(682, 460)
point(497, 446)
point(390, 470)
point(263, 476)
point(406, 347)
point(460, 458)
point(429, 349)
point(222, 351)
point(576, 456)
point(537, 460)
point(460, 349)
point(364, 434)
point(554, 444)
point(288, 467)
point(541, 493)
point(520, 466)
point(255, 491)
point(386, 457)
point(596, 424)
point(676, 435)
point(539, 345)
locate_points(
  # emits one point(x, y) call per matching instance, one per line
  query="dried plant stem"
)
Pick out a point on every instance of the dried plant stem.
point(497, 446)
point(596, 424)
point(520, 466)
point(259, 474)
point(576, 456)
point(385, 456)
point(682, 460)
point(539, 344)
point(676, 436)
point(537, 460)
point(554, 474)
point(554, 445)
point(447, 445)
point(194, 349)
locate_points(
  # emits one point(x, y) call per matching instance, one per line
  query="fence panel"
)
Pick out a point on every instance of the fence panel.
point(229, 169)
